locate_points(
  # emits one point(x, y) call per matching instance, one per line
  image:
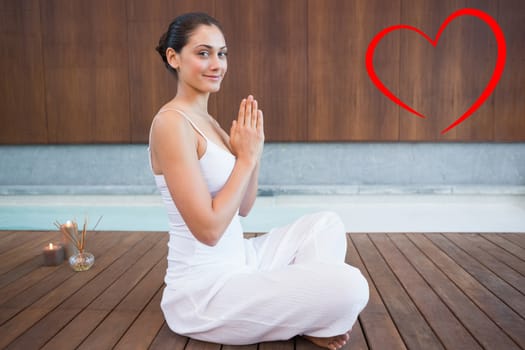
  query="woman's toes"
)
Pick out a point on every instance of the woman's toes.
point(337, 344)
point(343, 339)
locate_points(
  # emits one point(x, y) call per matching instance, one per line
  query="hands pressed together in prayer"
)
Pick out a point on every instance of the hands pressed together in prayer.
point(247, 132)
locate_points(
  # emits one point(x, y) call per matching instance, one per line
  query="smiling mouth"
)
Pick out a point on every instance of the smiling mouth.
point(214, 77)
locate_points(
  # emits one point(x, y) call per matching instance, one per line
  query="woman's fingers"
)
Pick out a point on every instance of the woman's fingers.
point(260, 122)
point(242, 111)
point(255, 113)
point(248, 111)
point(247, 132)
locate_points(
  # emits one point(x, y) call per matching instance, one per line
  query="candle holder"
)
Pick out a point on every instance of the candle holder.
point(53, 254)
point(79, 259)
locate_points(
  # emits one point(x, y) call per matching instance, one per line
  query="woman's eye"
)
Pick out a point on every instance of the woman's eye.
point(223, 54)
point(204, 53)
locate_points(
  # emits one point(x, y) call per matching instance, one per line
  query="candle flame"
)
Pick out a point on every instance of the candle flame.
point(50, 246)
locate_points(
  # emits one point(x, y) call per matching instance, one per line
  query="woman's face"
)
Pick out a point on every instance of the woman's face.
point(202, 62)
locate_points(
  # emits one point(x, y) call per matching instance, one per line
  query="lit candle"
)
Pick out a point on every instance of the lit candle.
point(53, 254)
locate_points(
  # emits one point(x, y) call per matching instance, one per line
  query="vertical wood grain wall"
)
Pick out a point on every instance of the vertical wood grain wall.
point(76, 71)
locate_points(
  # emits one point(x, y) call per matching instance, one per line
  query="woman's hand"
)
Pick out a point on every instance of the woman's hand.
point(247, 132)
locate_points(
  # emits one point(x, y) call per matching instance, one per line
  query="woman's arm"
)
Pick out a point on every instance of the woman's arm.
point(174, 149)
point(251, 192)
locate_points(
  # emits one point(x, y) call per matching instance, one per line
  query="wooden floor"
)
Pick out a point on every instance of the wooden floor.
point(427, 291)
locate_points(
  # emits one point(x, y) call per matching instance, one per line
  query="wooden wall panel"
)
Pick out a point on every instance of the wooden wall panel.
point(151, 84)
point(76, 71)
point(343, 104)
point(442, 82)
point(86, 65)
point(510, 93)
point(266, 57)
point(22, 100)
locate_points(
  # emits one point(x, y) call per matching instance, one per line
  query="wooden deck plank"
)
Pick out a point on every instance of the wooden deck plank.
point(38, 321)
point(10, 240)
point(26, 264)
point(471, 281)
point(33, 273)
point(502, 241)
point(378, 327)
point(6, 236)
point(444, 323)
point(12, 329)
point(22, 270)
point(30, 295)
point(116, 263)
point(300, 344)
point(139, 296)
point(248, 347)
point(119, 289)
point(86, 321)
point(507, 319)
point(16, 256)
point(357, 339)
point(277, 345)
point(515, 262)
point(113, 327)
point(516, 238)
point(37, 272)
point(412, 326)
point(507, 293)
point(462, 294)
point(145, 327)
point(167, 340)
point(194, 344)
point(43, 289)
point(504, 271)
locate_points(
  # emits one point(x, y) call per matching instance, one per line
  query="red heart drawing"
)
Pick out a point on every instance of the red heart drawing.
point(496, 75)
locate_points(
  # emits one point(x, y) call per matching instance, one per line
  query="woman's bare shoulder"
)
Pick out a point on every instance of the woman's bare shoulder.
point(171, 122)
point(172, 141)
point(172, 134)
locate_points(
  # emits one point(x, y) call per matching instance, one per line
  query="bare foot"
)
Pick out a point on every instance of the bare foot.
point(331, 343)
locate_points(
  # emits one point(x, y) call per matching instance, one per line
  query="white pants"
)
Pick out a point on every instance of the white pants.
point(299, 285)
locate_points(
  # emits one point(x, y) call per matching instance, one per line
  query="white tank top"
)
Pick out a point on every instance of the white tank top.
point(192, 264)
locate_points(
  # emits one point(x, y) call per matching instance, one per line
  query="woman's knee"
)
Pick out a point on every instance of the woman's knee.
point(353, 288)
point(334, 230)
point(332, 220)
point(360, 290)
point(330, 223)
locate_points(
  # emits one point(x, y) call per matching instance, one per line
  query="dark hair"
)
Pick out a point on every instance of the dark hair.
point(179, 31)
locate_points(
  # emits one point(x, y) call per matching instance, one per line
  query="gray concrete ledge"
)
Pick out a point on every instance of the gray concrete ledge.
point(287, 168)
point(393, 190)
point(77, 189)
point(266, 190)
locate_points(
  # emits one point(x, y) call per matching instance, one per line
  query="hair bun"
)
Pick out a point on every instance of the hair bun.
point(161, 47)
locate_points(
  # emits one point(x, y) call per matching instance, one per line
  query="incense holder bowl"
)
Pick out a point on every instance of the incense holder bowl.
point(82, 261)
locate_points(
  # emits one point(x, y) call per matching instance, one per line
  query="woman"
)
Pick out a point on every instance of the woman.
point(221, 287)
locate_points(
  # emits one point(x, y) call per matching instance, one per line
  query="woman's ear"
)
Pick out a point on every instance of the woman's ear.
point(173, 58)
